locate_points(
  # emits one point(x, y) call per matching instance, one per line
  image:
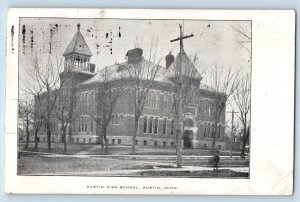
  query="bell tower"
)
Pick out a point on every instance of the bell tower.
point(77, 55)
point(77, 66)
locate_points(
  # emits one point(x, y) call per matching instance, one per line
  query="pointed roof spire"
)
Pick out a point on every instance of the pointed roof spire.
point(188, 68)
point(78, 45)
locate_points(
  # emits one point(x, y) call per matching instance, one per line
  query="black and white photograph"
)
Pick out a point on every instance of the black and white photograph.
point(149, 101)
point(131, 97)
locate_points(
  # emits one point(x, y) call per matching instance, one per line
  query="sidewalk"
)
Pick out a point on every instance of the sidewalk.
point(135, 172)
point(135, 157)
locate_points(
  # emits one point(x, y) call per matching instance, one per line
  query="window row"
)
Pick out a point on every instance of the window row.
point(116, 119)
point(150, 125)
point(209, 130)
point(85, 124)
point(159, 100)
point(86, 99)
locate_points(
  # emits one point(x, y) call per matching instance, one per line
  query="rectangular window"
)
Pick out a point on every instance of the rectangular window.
point(113, 141)
point(157, 100)
point(79, 128)
point(205, 130)
point(145, 142)
point(90, 140)
point(172, 144)
point(164, 144)
point(155, 143)
point(145, 124)
point(136, 142)
point(85, 125)
point(165, 101)
point(155, 125)
point(119, 141)
point(172, 126)
point(83, 140)
point(77, 140)
point(150, 124)
point(116, 119)
point(208, 130)
point(205, 146)
point(164, 125)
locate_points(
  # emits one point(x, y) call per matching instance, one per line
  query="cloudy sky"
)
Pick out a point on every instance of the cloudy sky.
point(214, 42)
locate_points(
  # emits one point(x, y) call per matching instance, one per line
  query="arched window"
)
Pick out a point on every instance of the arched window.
point(189, 123)
point(85, 100)
point(88, 100)
point(165, 100)
point(95, 98)
point(92, 99)
point(147, 100)
point(152, 99)
point(219, 131)
point(81, 99)
point(157, 100)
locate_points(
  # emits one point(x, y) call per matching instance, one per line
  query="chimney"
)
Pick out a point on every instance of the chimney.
point(92, 67)
point(134, 55)
point(169, 60)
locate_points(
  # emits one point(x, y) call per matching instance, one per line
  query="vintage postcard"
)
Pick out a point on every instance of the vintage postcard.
point(137, 101)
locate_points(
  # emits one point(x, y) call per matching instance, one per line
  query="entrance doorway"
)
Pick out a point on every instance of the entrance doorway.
point(187, 138)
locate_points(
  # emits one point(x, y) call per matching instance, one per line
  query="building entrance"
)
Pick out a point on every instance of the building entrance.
point(187, 138)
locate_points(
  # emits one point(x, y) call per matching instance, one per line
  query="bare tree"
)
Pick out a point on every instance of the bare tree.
point(38, 120)
point(224, 83)
point(26, 111)
point(245, 37)
point(65, 109)
point(142, 74)
point(242, 101)
point(107, 95)
point(43, 82)
point(185, 93)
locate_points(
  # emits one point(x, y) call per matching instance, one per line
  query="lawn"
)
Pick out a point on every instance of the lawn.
point(96, 149)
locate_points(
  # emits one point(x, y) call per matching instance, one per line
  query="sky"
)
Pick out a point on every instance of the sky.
point(214, 42)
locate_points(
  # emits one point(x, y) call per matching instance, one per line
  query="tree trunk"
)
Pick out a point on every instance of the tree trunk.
point(64, 137)
point(232, 147)
point(105, 140)
point(179, 148)
point(245, 137)
point(48, 136)
point(36, 139)
point(212, 149)
point(134, 135)
point(27, 135)
point(102, 140)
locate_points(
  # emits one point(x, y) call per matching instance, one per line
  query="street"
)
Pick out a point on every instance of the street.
point(120, 163)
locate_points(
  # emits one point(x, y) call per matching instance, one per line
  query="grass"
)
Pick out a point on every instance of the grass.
point(95, 149)
point(225, 173)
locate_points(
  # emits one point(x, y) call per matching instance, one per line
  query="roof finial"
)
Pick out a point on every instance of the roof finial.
point(78, 26)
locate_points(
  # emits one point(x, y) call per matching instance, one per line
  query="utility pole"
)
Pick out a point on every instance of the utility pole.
point(232, 133)
point(179, 90)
